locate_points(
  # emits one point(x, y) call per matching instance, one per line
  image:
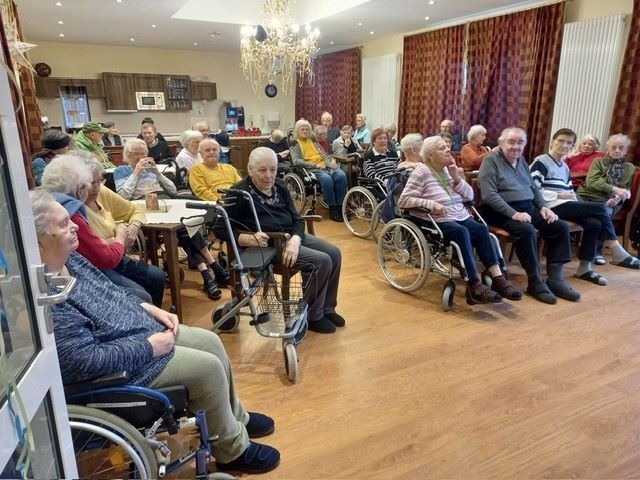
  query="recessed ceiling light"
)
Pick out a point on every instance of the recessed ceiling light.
point(60, 22)
point(431, 2)
point(371, 32)
point(195, 44)
point(359, 24)
point(61, 35)
point(132, 39)
point(426, 18)
point(58, 4)
point(153, 26)
point(118, 1)
point(214, 34)
point(332, 43)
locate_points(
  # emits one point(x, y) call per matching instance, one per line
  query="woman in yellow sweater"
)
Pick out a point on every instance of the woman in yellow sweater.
point(207, 177)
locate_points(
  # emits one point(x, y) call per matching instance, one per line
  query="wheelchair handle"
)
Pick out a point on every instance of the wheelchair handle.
point(201, 206)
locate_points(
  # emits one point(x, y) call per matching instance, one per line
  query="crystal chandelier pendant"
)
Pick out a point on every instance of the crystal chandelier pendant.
point(278, 53)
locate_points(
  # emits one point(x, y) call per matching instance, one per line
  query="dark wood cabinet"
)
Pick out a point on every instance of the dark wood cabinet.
point(120, 91)
point(241, 147)
point(203, 91)
point(177, 93)
point(148, 82)
point(49, 87)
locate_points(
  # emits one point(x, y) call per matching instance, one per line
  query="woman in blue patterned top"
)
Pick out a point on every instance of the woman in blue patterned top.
point(102, 330)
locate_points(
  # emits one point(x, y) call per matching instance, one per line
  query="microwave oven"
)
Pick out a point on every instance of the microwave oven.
point(150, 100)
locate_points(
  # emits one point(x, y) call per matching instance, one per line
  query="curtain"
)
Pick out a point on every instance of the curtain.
point(336, 88)
point(432, 80)
point(380, 82)
point(27, 111)
point(626, 110)
point(512, 73)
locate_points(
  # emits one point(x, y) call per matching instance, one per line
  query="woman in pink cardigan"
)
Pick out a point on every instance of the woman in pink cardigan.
point(438, 186)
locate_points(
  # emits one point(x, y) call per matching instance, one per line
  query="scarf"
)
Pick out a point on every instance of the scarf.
point(615, 172)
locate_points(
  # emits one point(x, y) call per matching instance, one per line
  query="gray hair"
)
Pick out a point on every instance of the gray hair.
point(207, 141)
point(41, 204)
point(189, 136)
point(277, 135)
point(320, 130)
point(475, 130)
point(299, 124)
point(91, 160)
point(362, 116)
point(508, 130)
point(260, 154)
point(126, 151)
point(618, 137)
point(347, 128)
point(429, 145)
point(67, 174)
point(390, 127)
point(411, 141)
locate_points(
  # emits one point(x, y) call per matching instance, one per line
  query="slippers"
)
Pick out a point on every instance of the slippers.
point(599, 260)
point(592, 277)
point(629, 262)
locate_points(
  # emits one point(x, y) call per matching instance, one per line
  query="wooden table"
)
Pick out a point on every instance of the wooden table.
point(168, 221)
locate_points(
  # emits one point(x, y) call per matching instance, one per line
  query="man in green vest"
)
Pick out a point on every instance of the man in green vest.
point(89, 139)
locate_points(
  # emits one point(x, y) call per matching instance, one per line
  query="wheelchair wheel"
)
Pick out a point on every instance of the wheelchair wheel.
point(404, 255)
point(230, 325)
point(291, 361)
point(106, 446)
point(448, 292)
point(297, 190)
point(358, 209)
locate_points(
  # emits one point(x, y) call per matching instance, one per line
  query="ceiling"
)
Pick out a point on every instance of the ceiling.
point(214, 25)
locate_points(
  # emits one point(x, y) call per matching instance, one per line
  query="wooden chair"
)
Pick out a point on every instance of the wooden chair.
point(624, 218)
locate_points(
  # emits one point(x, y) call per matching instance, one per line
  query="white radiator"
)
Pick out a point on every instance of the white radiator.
point(380, 89)
point(588, 75)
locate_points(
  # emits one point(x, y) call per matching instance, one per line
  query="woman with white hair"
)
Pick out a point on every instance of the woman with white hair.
point(472, 153)
point(362, 133)
point(318, 260)
point(581, 158)
point(308, 153)
point(410, 146)
point(438, 186)
point(188, 156)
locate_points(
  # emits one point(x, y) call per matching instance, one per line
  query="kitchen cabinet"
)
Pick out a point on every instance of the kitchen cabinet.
point(120, 91)
point(177, 93)
point(241, 147)
point(203, 91)
point(148, 82)
point(49, 87)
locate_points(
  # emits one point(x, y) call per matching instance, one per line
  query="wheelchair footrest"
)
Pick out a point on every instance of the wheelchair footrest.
point(255, 258)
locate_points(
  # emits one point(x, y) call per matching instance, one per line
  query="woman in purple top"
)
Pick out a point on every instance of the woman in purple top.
point(437, 185)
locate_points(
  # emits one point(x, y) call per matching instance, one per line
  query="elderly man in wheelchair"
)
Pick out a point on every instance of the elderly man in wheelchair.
point(101, 330)
point(438, 186)
point(308, 155)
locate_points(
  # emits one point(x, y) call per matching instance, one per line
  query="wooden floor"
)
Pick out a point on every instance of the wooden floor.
point(517, 390)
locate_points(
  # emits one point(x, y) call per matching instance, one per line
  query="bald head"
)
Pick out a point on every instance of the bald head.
point(203, 128)
point(209, 150)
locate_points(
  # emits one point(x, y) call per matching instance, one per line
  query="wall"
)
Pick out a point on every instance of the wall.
point(88, 61)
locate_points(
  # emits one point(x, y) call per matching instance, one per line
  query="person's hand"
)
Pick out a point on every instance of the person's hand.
point(333, 165)
point(454, 170)
point(521, 217)
point(258, 239)
point(162, 342)
point(284, 153)
point(566, 195)
point(142, 165)
point(548, 214)
point(152, 167)
point(169, 320)
point(623, 193)
point(438, 208)
point(290, 253)
point(613, 201)
point(121, 233)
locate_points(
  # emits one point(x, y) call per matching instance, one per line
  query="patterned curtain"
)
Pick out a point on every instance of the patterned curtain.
point(626, 110)
point(512, 73)
point(336, 88)
point(432, 80)
point(27, 111)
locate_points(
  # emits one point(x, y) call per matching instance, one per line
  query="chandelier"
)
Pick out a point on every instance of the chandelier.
point(275, 53)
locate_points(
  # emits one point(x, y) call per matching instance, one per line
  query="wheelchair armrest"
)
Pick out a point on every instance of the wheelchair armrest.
point(310, 220)
point(113, 379)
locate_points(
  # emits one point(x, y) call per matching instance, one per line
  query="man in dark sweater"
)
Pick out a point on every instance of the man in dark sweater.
point(158, 149)
point(511, 200)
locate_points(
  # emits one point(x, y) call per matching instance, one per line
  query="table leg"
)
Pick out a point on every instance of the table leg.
point(173, 269)
point(152, 247)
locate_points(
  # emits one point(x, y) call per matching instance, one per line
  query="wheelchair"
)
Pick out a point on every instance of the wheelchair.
point(120, 431)
point(361, 206)
point(280, 308)
point(409, 248)
point(304, 188)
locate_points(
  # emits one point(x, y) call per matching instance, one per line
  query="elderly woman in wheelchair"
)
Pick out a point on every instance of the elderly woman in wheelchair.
point(439, 189)
point(308, 154)
point(318, 260)
point(100, 330)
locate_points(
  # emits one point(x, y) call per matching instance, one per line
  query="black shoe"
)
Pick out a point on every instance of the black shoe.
point(335, 213)
point(222, 276)
point(210, 287)
point(324, 325)
point(259, 425)
point(479, 293)
point(505, 288)
point(256, 458)
point(335, 318)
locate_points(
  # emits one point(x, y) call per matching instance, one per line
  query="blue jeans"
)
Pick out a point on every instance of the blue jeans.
point(142, 279)
point(334, 185)
point(468, 234)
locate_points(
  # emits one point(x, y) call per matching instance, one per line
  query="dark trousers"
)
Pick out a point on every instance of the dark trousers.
point(468, 234)
point(139, 274)
point(555, 234)
point(594, 220)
